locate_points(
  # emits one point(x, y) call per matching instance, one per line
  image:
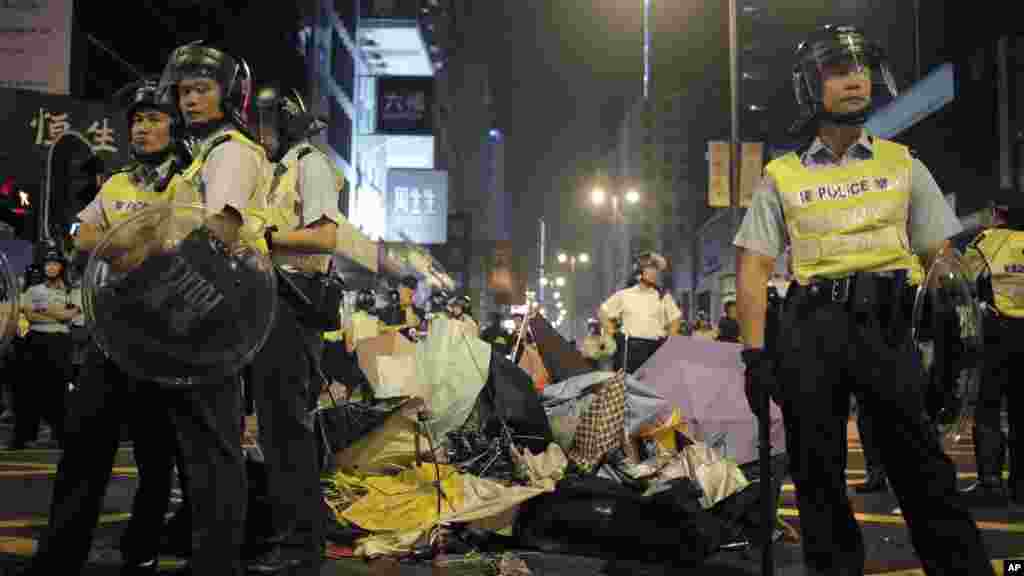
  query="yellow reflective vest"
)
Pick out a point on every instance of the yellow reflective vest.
point(130, 190)
point(284, 207)
point(191, 189)
point(1001, 252)
point(847, 219)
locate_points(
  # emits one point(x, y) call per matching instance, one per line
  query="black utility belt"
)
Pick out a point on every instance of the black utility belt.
point(862, 287)
point(316, 297)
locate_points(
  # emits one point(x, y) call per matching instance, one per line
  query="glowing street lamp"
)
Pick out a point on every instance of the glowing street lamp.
point(562, 257)
point(584, 257)
point(560, 281)
point(597, 196)
point(558, 295)
point(544, 281)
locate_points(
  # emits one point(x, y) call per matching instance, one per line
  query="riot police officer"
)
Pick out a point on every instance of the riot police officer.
point(996, 257)
point(648, 313)
point(855, 209)
point(403, 315)
point(460, 310)
point(303, 208)
point(106, 398)
point(229, 173)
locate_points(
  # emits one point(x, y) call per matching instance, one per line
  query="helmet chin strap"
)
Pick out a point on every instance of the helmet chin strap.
point(857, 118)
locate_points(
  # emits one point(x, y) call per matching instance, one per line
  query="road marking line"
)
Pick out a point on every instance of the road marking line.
point(1014, 527)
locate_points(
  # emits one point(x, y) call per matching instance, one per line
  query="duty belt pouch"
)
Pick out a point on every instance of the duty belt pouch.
point(316, 297)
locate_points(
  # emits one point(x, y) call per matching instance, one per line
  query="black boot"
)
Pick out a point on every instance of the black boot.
point(875, 482)
point(988, 455)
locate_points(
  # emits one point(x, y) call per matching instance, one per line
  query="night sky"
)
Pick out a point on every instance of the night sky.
point(563, 73)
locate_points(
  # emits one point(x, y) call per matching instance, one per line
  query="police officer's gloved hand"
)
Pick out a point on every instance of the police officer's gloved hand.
point(760, 377)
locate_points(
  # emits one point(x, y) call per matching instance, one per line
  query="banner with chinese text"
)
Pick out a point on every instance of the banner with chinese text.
point(35, 45)
point(719, 189)
point(751, 171)
point(416, 206)
point(32, 121)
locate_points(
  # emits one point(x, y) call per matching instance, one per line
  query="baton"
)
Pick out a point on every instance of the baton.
point(767, 492)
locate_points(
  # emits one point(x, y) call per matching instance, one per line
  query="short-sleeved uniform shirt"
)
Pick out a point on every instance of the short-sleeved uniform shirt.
point(644, 311)
point(931, 219)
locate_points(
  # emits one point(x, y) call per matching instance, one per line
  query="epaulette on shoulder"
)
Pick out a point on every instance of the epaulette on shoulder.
point(216, 142)
point(126, 168)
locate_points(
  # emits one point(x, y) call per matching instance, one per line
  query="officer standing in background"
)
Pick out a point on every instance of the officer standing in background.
point(460, 311)
point(728, 326)
point(303, 208)
point(648, 313)
point(402, 315)
point(42, 388)
point(853, 207)
point(996, 259)
point(596, 348)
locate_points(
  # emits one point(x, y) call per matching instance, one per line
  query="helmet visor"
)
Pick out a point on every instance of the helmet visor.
point(197, 61)
point(845, 55)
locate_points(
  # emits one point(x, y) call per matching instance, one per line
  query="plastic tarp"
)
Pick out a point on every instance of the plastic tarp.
point(704, 379)
point(453, 368)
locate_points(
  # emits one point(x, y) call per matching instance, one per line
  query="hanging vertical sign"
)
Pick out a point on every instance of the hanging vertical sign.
point(718, 174)
point(750, 171)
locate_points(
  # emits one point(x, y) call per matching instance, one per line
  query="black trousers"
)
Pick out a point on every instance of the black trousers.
point(285, 386)
point(40, 390)
point(826, 352)
point(208, 429)
point(868, 439)
point(633, 353)
point(1001, 378)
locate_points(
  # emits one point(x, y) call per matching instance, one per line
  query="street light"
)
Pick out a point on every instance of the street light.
point(632, 196)
point(584, 258)
point(597, 196)
point(562, 257)
point(558, 295)
point(544, 281)
point(560, 281)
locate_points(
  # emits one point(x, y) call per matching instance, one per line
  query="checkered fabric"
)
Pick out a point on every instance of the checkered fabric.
point(602, 427)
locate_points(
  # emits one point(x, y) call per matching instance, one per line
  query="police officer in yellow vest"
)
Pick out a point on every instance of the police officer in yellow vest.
point(303, 207)
point(996, 258)
point(230, 175)
point(107, 398)
point(855, 209)
point(459, 309)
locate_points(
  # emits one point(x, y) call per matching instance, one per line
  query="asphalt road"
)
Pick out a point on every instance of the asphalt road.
point(26, 479)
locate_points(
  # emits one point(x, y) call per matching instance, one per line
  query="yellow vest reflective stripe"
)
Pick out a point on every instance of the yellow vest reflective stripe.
point(284, 208)
point(847, 219)
point(1003, 252)
point(191, 189)
point(121, 196)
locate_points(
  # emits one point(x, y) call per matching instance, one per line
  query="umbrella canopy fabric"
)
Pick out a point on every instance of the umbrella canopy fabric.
point(704, 379)
point(562, 360)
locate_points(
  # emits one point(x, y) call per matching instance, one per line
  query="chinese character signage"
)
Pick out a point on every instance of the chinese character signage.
point(405, 105)
point(719, 155)
point(34, 121)
point(416, 206)
point(35, 45)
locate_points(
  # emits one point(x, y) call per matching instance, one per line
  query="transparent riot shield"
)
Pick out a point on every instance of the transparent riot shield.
point(947, 330)
point(174, 293)
point(8, 304)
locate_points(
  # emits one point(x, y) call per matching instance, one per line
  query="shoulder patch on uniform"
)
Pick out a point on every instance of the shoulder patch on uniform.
point(126, 168)
point(217, 142)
